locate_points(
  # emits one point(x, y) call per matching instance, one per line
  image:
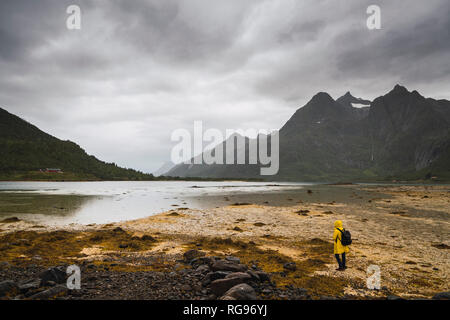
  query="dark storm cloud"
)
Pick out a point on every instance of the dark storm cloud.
point(406, 47)
point(139, 69)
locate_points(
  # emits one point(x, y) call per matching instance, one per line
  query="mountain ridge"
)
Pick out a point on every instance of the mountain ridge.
point(401, 135)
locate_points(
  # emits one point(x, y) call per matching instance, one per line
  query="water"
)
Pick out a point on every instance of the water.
point(62, 203)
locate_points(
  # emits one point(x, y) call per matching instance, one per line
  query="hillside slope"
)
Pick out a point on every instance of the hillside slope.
point(25, 149)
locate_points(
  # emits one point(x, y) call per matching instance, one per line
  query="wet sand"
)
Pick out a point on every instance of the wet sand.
point(405, 230)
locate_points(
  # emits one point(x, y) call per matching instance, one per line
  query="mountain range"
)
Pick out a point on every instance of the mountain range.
point(398, 136)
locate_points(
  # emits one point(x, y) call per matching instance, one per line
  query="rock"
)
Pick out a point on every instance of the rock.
point(10, 220)
point(55, 274)
point(225, 265)
point(240, 292)
point(123, 245)
point(186, 287)
point(192, 254)
point(233, 259)
point(214, 276)
point(202, 269)
point(220, 286)
point(54, 292)
point(32, 284)
point(290, 266)
point(147, 237)
point(118, 230)
point(244, 276)
point(442, 296)
point(259, 224)
point(8, 288)
point(202, 260)
point(441, 246)
point(254, 275)
point(263, 276)
point(227, 298)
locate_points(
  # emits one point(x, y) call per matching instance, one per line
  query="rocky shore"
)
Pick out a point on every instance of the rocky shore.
point(243, 251)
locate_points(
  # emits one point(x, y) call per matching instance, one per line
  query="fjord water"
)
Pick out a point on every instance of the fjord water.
point(62, 203)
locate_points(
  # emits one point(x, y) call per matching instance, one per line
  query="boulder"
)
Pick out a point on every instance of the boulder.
point(32, 284)
point(196, 262)
point(192, 254)
point(53, 292)
point(220, 286)
point(225, 265)
point(233, 259)
point(240, 292)
point(55, 274)
point(8, 288)
point(241, 275)
point(211, 276)
point(202, 269)
point(254, 275)
point(263, 276)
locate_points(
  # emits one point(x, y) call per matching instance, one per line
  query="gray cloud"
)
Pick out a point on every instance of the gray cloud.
point(139, 69)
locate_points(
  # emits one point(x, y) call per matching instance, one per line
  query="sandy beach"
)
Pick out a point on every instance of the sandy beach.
point(405, 230)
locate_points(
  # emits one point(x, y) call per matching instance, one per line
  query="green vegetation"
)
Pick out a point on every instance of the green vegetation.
point(25, 150)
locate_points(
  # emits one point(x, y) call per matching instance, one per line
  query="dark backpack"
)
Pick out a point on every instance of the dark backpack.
point(346, 237)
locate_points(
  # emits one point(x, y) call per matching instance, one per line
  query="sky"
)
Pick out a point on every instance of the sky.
point(138, 70)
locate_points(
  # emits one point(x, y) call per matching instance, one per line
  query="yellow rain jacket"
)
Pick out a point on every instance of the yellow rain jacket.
point(338, 247)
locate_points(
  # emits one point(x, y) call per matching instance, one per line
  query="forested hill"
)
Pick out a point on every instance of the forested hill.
point(25, 150)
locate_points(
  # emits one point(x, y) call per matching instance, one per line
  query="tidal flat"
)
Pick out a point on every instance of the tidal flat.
point(285, 237)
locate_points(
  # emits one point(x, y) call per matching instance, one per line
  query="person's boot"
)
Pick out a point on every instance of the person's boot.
point(339, 263)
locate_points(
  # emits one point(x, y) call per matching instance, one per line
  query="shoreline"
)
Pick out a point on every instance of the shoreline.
point(383, 220)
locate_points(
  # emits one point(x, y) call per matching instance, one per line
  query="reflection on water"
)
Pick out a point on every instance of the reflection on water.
point(102, 202)
point(34, 206)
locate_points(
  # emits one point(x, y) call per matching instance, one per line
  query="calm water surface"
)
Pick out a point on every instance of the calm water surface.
point(60, 203)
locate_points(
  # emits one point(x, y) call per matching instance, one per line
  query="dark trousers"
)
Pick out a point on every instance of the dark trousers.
point(341, 263)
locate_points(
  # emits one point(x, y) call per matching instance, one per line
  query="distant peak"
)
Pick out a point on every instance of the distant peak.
point(348, 94)
point(321, 97)
point(399, 89)
point(347, 99)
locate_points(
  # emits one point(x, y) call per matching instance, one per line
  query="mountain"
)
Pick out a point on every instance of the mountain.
point(164, 168)
point(400, 135)
point(25, 150)
point(359, 107)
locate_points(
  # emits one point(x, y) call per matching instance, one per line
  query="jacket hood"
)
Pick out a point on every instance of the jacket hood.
point(338, 224)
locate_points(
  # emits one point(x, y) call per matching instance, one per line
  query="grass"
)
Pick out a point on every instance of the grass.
point(53, 248)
